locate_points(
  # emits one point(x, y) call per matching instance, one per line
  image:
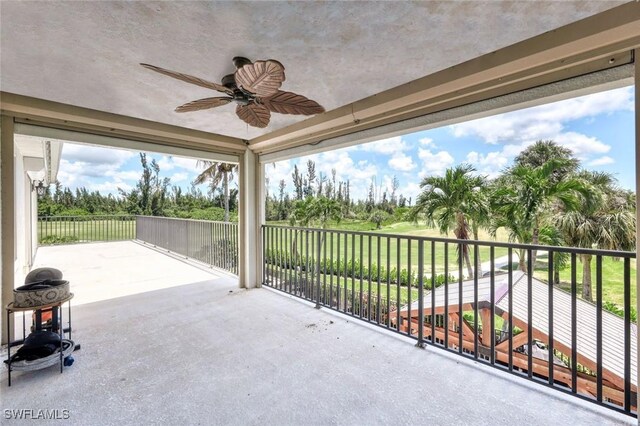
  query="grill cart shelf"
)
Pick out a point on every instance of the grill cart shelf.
point(66, 345)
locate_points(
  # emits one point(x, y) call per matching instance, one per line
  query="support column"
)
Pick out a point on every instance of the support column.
point(637, 127)
point(250, 220)
point(7, 217)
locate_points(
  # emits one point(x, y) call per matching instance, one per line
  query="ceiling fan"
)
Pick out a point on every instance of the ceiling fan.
point(254, 87)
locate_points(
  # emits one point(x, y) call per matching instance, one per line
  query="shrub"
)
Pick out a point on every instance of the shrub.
point(58, 239)
point(619, 311)
point(352, 269)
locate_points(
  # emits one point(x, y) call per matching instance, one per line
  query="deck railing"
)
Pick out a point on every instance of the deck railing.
point(212, 243)
point(82, 229)
point(522, 308)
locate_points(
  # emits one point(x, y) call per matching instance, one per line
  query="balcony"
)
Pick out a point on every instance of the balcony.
point(520, 322)
point(163, 300)
point(176, 343)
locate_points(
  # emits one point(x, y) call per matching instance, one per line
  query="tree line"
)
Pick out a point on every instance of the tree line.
point(312, 190)
point(544, 198)
point(152, 195)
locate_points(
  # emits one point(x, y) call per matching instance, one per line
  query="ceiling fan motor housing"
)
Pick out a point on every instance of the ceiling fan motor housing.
point(240, 96)
point(229, 81)
point(240, 61)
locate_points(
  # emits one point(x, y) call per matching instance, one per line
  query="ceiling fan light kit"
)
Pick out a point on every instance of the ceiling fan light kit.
point(254, 87)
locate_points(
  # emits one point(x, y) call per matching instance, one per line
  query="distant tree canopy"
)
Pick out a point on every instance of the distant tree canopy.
point(304, 185)
point(544, 198)
point(152, 195)
point(542, 152)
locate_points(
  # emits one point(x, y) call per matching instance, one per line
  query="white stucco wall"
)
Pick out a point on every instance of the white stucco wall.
point(34, 228)
point(22, 197)
point(26, 217)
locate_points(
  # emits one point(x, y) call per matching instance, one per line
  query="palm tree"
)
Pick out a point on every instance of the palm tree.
point(605, 222)
point(511, 219)
point(312, 210)
point(216, 173)
point(480, 216)
point(450, 202)
point(315, 210)
point(543, 151)
point(527, 195)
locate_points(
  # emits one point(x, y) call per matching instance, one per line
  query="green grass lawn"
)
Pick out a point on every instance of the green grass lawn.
point(339, 282)
point(69, 231)
point(392, 247)
point(373, 249)
point(379, 249)
point(612, 279)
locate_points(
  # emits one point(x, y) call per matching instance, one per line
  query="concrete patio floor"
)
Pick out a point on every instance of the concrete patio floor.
point(210, 353)
point(100, 271)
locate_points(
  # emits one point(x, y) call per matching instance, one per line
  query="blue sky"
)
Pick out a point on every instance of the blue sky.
point(598, 128)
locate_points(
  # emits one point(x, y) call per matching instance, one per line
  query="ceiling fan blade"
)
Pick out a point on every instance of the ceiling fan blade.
point(190, 79)
point(262, 78)
point(291, 103)
point(254, 115)
point(205, 103)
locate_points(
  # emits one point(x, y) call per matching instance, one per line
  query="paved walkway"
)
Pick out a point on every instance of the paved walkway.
point(100, 271)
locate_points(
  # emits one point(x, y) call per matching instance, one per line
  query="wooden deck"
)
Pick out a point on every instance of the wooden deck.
point(613, 343)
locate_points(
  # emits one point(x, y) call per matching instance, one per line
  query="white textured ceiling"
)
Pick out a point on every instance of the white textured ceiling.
point(87, 53)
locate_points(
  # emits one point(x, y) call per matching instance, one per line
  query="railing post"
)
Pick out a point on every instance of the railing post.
point(637, 169)
point(420, 343)
point(318, 250)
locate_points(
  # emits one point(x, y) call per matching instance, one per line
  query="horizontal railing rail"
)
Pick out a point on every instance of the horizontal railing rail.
point(559, 316)
point(86, 228)
point(209, 242)
point(562, 249)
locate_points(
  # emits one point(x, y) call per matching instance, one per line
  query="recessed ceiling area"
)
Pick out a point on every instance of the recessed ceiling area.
point(88, 53)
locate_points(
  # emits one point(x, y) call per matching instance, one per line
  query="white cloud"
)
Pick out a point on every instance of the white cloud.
point(66, 174)
point(179, 177)
point(358, 174)
point(109, 187)
point(490, 164)
point(544, 121)
point(276, 172)
point(434, 163)
point(427, 142)
point(602, 161)
point(124, 175)
point(411, 190)
point(85, 161)
point(186, 163)
point(167, 163)
point(386, 146)
point(100, 169)
point(582, 145)
point(89, 154)
point(517, 130)
point(402, 162)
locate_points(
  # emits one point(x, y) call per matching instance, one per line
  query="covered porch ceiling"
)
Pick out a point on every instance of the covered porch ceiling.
point(364, 62)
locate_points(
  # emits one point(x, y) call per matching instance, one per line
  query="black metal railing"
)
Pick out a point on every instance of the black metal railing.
point(82, 229)
point(525, 309)
point(212, 243)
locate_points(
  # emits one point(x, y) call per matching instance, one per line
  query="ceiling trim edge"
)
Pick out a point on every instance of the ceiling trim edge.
point(57, 115)
point(582, 47)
